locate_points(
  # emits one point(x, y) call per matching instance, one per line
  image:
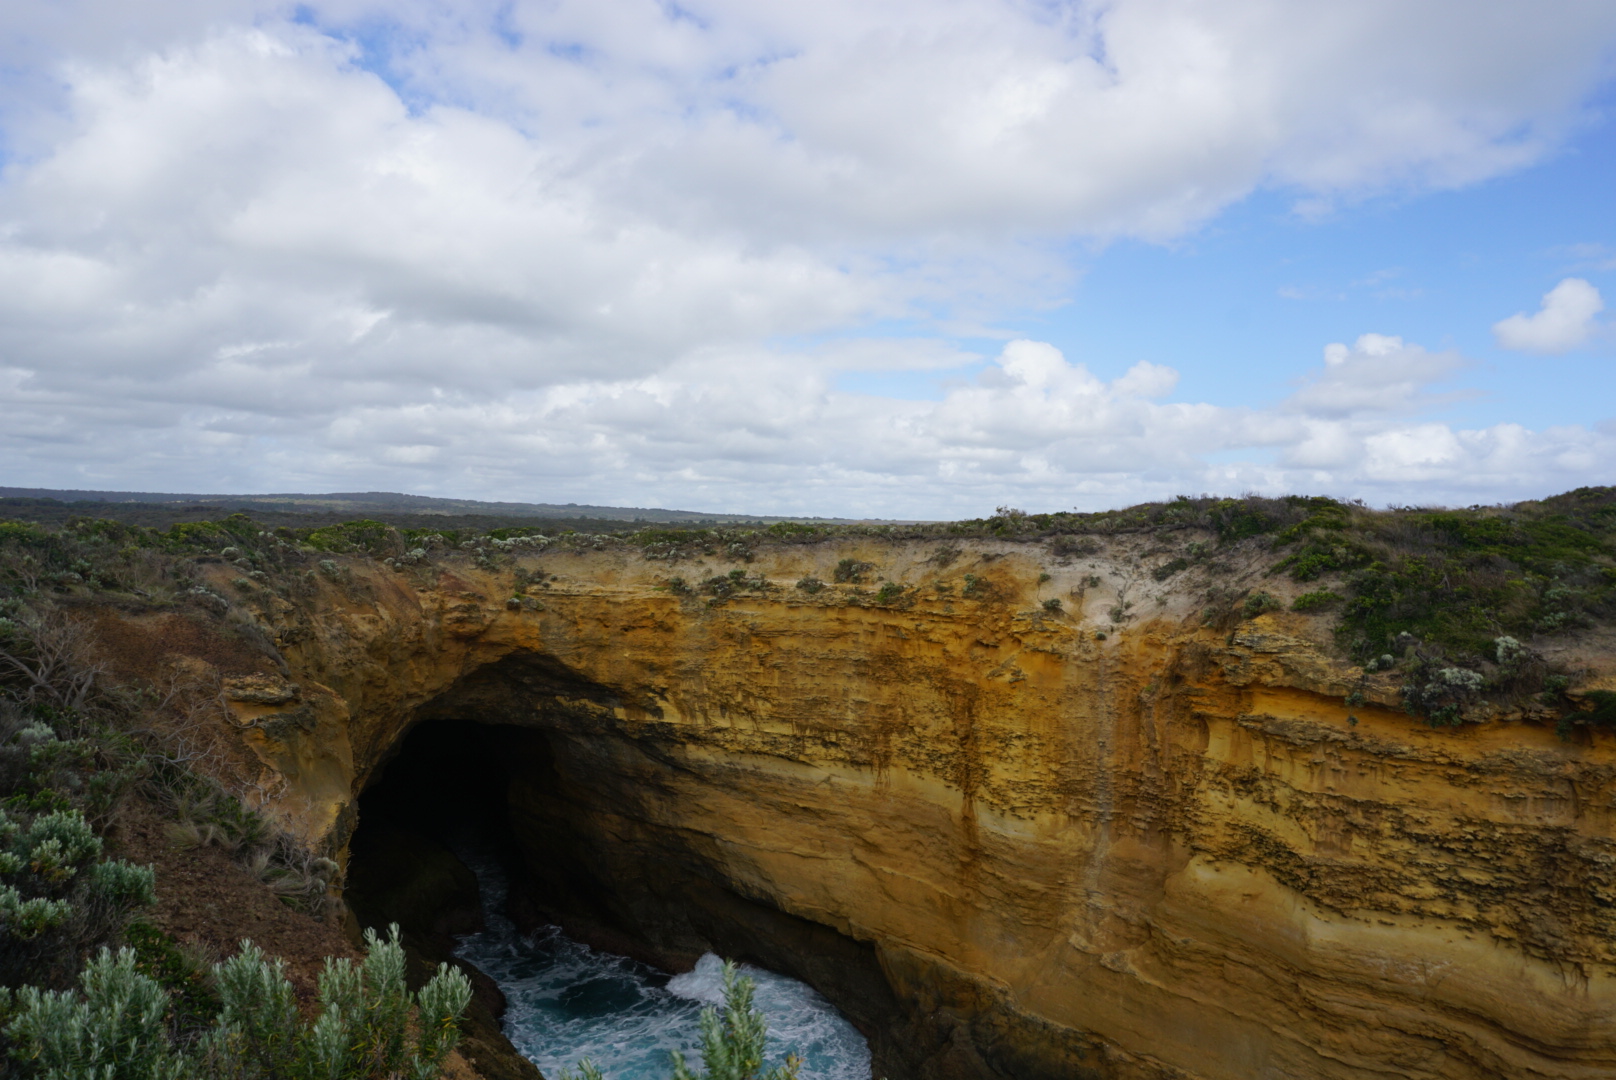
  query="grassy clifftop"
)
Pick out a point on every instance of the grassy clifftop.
point(1435, 593)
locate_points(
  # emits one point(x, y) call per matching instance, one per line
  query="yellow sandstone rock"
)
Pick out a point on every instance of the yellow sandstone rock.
point(1161, 852)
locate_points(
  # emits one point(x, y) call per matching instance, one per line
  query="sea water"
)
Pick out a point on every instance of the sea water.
point(566, 1001)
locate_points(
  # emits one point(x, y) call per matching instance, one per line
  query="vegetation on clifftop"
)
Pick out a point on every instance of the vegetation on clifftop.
point(1425, 591)
point(87, 989)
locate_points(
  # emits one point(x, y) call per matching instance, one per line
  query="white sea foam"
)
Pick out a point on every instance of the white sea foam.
point(703, 983)
point(567, 1001)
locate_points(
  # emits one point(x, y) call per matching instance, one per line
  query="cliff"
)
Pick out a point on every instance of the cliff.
point(1117, 837)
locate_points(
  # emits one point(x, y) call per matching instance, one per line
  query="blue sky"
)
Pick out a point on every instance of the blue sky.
point(899, 258)
point(1261, 287)
point(1239, 304)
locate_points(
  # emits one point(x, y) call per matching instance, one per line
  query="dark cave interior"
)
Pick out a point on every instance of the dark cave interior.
point(567, 830)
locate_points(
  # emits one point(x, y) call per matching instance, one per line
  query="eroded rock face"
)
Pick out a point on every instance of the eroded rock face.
point(1008, 845)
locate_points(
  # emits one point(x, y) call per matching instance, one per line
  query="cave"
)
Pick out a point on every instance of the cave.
point(512, 764)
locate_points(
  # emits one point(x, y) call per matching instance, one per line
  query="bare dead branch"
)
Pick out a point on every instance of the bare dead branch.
point(58, 663)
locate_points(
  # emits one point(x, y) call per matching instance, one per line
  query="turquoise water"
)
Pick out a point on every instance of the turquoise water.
point(567, 1001)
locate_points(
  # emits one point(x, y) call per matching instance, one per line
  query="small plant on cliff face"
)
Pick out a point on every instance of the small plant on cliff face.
point(810, 585)
point(976, 588)
point(1258, 603)
point(888, 593)
point(1440, 694)
point(1073, 547)
point(851, 572)
point(1053, 605)
point(1318, 600)
point(1169, 568)
point(736, 581)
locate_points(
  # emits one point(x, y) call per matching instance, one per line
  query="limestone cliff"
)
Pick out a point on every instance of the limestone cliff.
point(1106, 840)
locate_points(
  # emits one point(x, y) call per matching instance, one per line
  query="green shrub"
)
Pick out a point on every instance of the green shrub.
point(1435, 689)
point(370, 537)
point(1318, 600)
point(369, 1027)
point(1237, 519)
point(1601, 715)
point(721, 586)
point(1168, 569)
point(1455, 578)
point(195, 534)
point(56, 898)
point(851, 572)
point(1053, 605)
point(1258, 603)
point(888, 593)
point(179, 971)
point(112, 1029)
point(794, 530)
point(732, 1041)
point(1073, 547)
point(652, 536)
point(810, 585)
point(25, 920)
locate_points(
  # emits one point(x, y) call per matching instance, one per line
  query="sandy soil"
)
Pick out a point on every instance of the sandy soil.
point(205, 898)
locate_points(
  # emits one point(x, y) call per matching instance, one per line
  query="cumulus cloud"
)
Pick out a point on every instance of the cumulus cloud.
point(1564, 321)
point(1378, 373)
point(534, 249)
point(1033, 427)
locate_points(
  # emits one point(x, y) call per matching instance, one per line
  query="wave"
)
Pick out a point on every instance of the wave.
point(567, 1001)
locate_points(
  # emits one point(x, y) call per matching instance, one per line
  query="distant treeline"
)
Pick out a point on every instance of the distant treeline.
point(56, 513)
point(392, 505)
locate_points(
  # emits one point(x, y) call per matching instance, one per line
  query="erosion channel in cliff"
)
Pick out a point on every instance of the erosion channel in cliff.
point(582, 911)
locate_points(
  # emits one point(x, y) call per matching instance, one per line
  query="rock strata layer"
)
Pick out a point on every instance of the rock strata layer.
point(1011, 841)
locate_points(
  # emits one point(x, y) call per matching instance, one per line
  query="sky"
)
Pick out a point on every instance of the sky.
point(875, 259)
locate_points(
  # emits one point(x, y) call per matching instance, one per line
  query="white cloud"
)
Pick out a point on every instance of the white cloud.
point(1377, 374)
point(1565, 320)
point(532, 249)
point(747, 429)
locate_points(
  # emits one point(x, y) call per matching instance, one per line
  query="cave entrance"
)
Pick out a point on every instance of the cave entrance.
point(480, 844)
point(437, 808)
